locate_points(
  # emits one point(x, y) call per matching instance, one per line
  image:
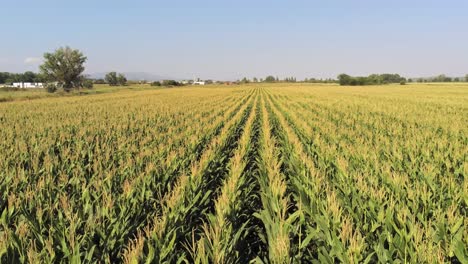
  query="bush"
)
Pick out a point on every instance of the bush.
point(402, 82)
point(50, 87)
point(156, 84)
point(170, 83)
point(88, 84)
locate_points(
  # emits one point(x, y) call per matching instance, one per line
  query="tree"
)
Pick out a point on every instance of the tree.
point(121, 80)
point(344, 79)
point(28, 77)
point(114, 79)
point(442, 78)
point(111, 79)
point(64, 66)
point(4, 76)
point(157, 83)
point(270, 79)
point(466, 78)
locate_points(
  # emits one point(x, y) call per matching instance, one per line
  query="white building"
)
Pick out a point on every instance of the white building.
point(199, 83)
point(28, 85)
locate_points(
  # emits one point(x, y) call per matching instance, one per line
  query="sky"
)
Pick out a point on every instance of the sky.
point(226, 39)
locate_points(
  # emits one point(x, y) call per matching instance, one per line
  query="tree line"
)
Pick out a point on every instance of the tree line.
point(64, 68)
point(373, 79)
point(273, 79)
point(440, 78)
point(29, 76)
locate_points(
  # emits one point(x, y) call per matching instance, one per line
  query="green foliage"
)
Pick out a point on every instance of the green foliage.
point(87, 83)
point(314, 80)
point(111, 79)
point(374, 79)
point(121, 80)
point(6, 77)
point(157, 83)
point(170, 83)
point(64, 66)
point(50, 87)
point(115, 79)
point(270, 79)
point(290, 79)
point(441, 78)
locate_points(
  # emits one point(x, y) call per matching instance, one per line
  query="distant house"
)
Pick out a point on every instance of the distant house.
point(199, 83)
point(28, 85)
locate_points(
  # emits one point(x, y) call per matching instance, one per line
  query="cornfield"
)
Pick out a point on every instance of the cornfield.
point(255, 173)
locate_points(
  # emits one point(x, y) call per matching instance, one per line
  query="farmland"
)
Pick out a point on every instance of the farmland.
point(273, 173)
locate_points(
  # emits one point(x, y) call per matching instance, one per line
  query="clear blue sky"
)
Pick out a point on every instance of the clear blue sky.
point(230, 39)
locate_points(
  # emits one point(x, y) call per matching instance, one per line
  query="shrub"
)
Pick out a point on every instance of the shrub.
point(50, 87)
point(88, 84)
point(156, 83)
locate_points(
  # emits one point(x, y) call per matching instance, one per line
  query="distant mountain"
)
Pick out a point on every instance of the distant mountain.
point(135, 76)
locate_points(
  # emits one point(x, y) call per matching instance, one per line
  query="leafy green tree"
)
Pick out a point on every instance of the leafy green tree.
point(344, 79)
point(4, 76)
point(270, 79)
point(157, 83)
point(466, 78)
point(111, 79)
point(28, 76)
point(121, 80)
point(65, 66)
